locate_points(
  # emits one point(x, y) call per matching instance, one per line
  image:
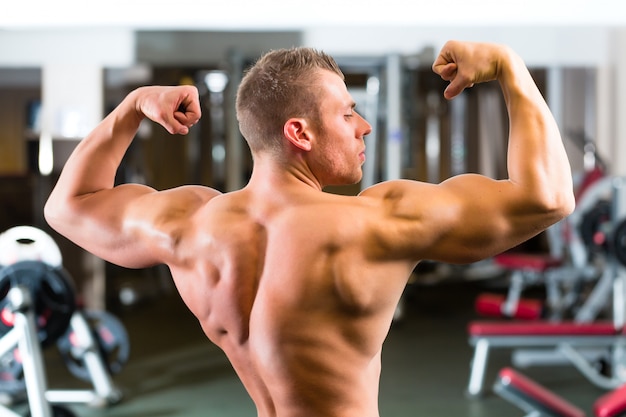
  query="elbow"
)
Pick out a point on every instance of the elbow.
point(559, 205)
point(570, 205)
point(565, 202)
point(56, 213)
point(51, 213)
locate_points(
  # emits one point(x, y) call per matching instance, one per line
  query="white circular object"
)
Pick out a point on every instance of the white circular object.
point(27, 243)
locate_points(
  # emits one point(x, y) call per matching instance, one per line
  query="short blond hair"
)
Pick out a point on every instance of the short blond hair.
point(282, 84)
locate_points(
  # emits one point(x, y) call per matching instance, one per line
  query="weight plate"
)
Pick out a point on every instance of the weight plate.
point(111, 338)
point(52, 295)
point(592, 226)
point(619, 242)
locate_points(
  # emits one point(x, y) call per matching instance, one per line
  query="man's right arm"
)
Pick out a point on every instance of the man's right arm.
point(471, 217)
point(131, 225)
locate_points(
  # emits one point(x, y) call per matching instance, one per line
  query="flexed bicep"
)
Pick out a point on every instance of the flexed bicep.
point(123, 224)
point(99, 223)
point(133, 225)
point(496, 215)
point(464, 219)
point(477, 217)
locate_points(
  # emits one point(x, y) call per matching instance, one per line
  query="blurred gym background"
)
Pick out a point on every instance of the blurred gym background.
point(64, 65)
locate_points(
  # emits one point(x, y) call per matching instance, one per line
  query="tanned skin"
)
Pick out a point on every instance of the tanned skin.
point(299, 286)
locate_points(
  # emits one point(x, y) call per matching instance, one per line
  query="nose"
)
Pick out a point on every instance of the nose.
point(365, 126)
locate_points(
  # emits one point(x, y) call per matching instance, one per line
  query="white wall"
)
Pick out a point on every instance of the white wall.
point(71, 63)
point(82, 51)
point(538, 45)
point(34, 47)
point(306, 14)
point(115, 47)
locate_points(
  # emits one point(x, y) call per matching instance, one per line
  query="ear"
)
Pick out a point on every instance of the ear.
point(297, 132)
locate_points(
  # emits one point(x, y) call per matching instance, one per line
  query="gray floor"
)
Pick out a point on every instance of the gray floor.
point(173, 371)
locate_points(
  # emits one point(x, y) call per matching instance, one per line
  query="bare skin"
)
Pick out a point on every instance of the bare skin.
point(298, 286)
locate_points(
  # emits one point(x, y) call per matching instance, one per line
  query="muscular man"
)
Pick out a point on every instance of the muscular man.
point(299, 286)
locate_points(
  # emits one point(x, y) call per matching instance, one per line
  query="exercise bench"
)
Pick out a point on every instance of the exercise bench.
point(537, 401)
point(526, 270)
point(567, 338)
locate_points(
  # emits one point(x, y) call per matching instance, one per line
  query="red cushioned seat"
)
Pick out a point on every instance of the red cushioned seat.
point(527, 261)
point(537, 394)
point(612, 404)
point(541, 328)
point(491, 305)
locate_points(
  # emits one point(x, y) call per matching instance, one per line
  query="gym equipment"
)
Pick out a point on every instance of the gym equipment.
point(11, 373)
point(30, 326)
point(565, 276)
point(99, 343)
point(53, 297)
point(593, 225)
point(496, 305)
point(88, 355)
point(112, 345)
point(579, 342)
point(617, 242)
point(22, 243)
point(538, 401)
point(525, 270)
point(585, 251)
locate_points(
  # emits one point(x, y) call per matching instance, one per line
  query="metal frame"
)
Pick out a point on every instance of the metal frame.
point(105, 392)
point(24, 336)
point(574, 348)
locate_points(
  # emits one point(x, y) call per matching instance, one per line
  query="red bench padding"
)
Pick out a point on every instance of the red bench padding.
point(541, 328)
point(491, 305)
point(509, 377)
point(527, 261)
point(611, 404)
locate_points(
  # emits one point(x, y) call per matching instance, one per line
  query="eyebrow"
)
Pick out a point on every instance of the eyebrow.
point(350, 105)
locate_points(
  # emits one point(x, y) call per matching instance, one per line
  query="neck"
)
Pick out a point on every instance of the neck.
point(270, 172)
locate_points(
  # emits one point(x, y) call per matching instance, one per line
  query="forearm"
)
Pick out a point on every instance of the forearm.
point(537, 159)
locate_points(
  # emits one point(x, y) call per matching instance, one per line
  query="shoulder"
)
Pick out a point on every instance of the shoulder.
point(172, 208)
point(410, 216)
point(394, 188)
point(186, 198)
point(397, 197)
point(194, 191)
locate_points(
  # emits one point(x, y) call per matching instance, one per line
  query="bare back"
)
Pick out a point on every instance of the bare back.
point(288, 292)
